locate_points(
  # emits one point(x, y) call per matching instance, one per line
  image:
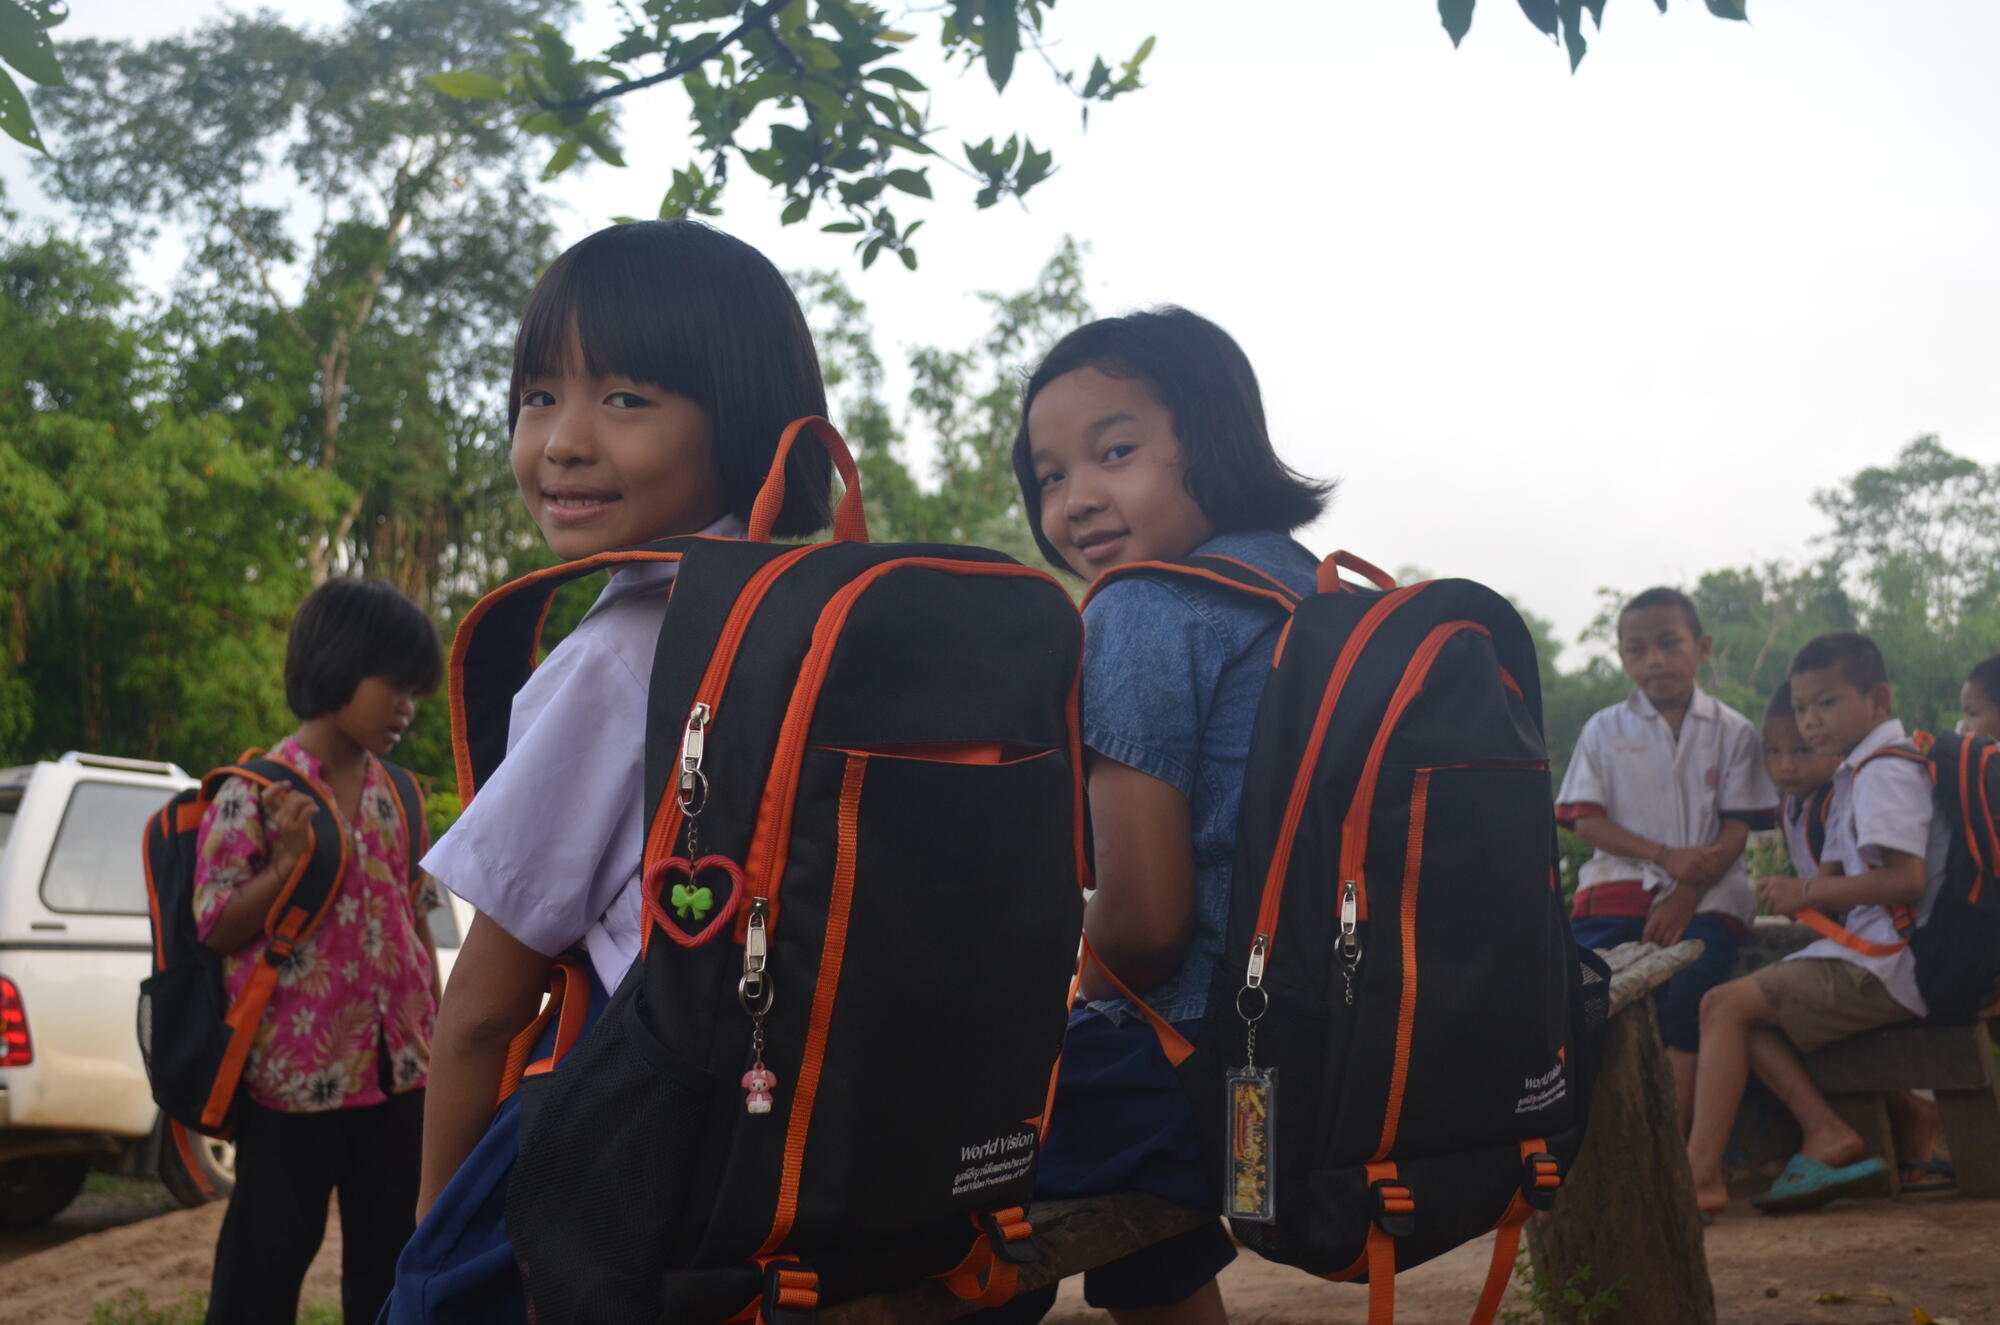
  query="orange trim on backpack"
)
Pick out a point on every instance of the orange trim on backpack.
point(1284, 638)
point(1086, 869)
point(827, 989)
point(1354, 830)
point(189, 815)
point(1265, 576)
point(461, 641)
point(850, 521)
point(665, 829)
point(991, 754)
point(189, 1165)
point(1817, 921)
point(770, 845)
point(569, 991)
point(1172, 1043)
point(1500, 1270)
point(1284, 598)
point(1329, 579)
point(1986, 818)
point(156, 827)
point(1406, 1014)
point(1295, 804)
point(245, 1015)
point(983, 1277)
point(1381, 1247)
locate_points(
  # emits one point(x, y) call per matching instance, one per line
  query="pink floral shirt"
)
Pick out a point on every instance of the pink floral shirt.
point(350, 1020)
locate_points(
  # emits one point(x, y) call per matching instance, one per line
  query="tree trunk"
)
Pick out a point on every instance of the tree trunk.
point(1627, 1207)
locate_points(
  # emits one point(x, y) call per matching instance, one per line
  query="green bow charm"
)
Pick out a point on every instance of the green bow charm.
point(692, 903)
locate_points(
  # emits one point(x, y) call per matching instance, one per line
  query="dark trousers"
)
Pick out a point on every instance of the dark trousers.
point(287, 1166)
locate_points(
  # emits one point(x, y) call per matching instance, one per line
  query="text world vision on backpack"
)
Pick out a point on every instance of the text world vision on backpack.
point(195, 1040)
point(1395, 1056)
point(829, 1071)
point(1957, 949)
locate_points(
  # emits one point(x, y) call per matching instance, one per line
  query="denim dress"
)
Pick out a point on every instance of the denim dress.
point(1172, 675)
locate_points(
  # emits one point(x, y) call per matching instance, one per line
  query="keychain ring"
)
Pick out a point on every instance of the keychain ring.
point(694, 800)
point(1263, 1006)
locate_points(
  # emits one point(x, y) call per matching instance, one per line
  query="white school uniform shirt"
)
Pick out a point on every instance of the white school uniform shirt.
point(552, 844)
point(1794, 814)
point(1887, 807)
point(1671, 789)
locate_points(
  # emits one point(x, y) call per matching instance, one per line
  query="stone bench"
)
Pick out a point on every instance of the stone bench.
point(1956, 1064)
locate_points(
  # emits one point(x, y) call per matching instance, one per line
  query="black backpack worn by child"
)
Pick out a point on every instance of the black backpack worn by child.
point(829, 1070)
point(1394, 1059)
point(1958, 949)
point(194, 1039)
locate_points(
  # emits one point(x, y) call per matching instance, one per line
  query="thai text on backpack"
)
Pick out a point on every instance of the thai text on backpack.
point(1395, 1055)
point(829, 1071)
point(194, 1039)
point(1957, 950)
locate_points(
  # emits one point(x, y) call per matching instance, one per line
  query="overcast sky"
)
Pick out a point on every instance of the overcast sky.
point(1550, 332)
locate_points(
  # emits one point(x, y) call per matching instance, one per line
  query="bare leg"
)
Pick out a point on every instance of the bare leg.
point(1683, 1064)
point(1918, 1129)
point(1827, 1139)
point(1204, 1308)
point(1729, 1012)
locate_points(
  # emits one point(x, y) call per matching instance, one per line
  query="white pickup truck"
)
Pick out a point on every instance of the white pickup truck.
point(74, 945)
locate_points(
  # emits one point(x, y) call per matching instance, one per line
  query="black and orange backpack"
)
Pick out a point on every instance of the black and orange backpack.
point(829, 1070)
point(1957, 949)
point(1397, 1053)
point(194, 1039)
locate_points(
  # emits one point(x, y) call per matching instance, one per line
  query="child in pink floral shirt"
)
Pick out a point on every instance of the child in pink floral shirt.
point(335, 1079)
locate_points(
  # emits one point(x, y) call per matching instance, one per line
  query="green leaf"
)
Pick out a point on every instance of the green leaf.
point(26, 46)
point(900, 79)
point(565, 156)
point(1596, 8)
point(1146, 49)
point(1572, 25)
point(1541, 13)
point(1736, 9)
point(874, 248)
point(909, 257)
point(897, 37)
point(467, 83)
point(1001, 37)
point(844, 228)
point(910, 181)
point(1457, 16)
point(15, 120)
point(795, 211)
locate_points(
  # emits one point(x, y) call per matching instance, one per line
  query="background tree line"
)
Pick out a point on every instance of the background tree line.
point(319, 390)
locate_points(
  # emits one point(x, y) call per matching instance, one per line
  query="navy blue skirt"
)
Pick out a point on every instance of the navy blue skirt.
point(458, 1267)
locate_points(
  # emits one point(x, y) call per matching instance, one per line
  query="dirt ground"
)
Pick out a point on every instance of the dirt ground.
point(1940, 1252)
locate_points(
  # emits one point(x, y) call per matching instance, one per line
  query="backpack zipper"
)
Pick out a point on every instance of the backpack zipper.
point(1281, 859)
point(668, 818)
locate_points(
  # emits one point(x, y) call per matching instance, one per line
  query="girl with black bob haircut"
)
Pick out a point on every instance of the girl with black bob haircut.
point(349, 630)
point(657, 365)
point(335, 1082)
point(703, 315)
point(1199, 373)
point(1143, 440)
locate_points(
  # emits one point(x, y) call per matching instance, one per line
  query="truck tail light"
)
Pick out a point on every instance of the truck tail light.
point(16, 1049)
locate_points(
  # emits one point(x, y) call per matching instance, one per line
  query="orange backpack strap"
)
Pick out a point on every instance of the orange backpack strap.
point(409, 798)
point(1330, 569)
point(991, 1271)
point(1172, 1043)
point(1228, 572)
point(1817, 921)
point(568, 1007)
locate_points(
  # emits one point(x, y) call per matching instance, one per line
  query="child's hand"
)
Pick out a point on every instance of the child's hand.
point(1686, 864)
point(290, 817)
point(1782, 894)
point(1669, 920)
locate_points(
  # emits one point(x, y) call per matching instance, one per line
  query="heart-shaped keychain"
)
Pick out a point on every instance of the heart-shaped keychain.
point(689, 910)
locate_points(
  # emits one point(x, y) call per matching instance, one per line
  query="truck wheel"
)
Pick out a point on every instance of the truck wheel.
point(34, 1191)
point(214, 1166)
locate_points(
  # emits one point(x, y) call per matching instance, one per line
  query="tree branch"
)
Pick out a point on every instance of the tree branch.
point(756, 18)
point(263, 267)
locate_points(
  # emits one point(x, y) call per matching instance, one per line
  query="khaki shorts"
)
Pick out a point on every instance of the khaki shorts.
point(1822, 999)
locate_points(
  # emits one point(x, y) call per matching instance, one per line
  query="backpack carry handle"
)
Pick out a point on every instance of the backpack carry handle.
point(850, 522)
point(1329, 572)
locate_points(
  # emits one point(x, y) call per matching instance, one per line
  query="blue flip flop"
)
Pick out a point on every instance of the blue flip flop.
point(1944, 1177)
point(1807, 1184)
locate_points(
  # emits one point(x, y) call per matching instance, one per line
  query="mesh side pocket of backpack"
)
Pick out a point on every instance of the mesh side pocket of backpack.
point(598, 1200)
point(1588, 1020)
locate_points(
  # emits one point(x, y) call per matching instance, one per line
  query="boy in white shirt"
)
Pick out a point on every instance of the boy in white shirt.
point(1667, 785)
point(1882, 864)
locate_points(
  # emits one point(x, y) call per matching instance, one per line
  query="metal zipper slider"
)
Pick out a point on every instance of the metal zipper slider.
point(754, 989)
point(1350, 939)
point(1254, 977)
point(694, 742)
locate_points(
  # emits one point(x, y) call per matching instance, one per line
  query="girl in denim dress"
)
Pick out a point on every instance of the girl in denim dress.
point(1143, 439)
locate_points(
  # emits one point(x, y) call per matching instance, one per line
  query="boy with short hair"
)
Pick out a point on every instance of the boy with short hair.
point(1890, 852)
point(1803, 775)
point(1667, 785)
